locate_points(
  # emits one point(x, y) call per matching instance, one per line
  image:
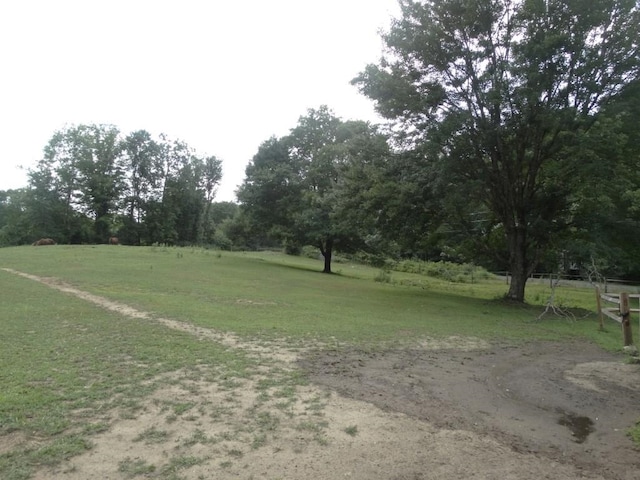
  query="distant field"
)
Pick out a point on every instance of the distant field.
point(69, 367)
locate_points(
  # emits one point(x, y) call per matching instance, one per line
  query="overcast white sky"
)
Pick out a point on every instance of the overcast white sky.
point(222, 75)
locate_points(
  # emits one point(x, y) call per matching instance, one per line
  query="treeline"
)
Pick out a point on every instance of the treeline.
point(93, 182)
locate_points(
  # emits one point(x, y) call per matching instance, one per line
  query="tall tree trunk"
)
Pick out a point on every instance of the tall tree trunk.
point(326, 249)
point(518, 263)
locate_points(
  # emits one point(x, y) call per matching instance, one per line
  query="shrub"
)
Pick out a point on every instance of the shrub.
point(383, 276)
point(449, 271)
point(310, 251)
point(291, 248)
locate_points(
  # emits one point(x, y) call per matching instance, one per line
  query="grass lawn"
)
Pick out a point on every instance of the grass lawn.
point(268, 294)
point(67, 363)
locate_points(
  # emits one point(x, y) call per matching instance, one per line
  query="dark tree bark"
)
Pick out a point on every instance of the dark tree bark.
point(326, 248)
point(520, 265)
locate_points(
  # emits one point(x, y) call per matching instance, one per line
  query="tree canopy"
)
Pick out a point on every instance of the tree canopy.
point(293, 186)
point(92, 182)
point(498, 94)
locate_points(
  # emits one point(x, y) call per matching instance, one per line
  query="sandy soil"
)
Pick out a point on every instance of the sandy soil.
point(565, 403)
point(433, 409)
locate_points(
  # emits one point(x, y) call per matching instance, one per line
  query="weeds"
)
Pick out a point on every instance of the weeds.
point(183, 462)
point(198, 437)
point(132, 468)
point(259, 441)
point(267, 421)
point(634, 433)
point(152, 435)
point(351, 430)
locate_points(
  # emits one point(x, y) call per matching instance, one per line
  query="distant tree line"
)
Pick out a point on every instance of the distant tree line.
point(93, 183)
point(511, 143)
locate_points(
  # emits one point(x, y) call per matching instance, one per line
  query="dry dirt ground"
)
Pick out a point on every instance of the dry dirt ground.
point(563, 404)
point(456, 408)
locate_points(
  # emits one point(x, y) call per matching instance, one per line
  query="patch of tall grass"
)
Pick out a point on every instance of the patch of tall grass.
point(449, 271)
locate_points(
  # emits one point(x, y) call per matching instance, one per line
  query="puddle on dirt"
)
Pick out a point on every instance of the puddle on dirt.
point(580, 427)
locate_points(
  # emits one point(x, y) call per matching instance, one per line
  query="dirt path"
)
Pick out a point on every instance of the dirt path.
point(452, 409)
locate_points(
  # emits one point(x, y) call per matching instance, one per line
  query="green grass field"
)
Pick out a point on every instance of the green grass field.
point(258, 294)
point(66, 362)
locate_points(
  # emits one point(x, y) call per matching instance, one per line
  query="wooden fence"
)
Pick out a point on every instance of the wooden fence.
point(621, 313)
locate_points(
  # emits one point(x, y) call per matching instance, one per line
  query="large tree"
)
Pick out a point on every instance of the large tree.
point(293, 186)
point(80, 172)
point(79, 175)
point(142, 162)
point(496, 91)
point(605, 214)
point(189, 184)
point(211, 173)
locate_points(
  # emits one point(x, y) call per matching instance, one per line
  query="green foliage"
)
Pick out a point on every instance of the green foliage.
point(309, 252)
point(92, 184)
point(80, 168)
point(634, 433)
point(14, 226)
point(497, 96)
point(133, 468)
point(383, 276)
point(152, 435)
point(293, 190)
point(351, 430)
point(452, 272)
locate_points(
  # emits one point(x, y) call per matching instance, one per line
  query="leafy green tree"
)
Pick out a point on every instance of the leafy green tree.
point(221, 211)
point(390, 197)
point(188, 187)
point(293, 187)
point(142, 163)
point(81, 169)
point(219, 215)
point(271, 193)
point(605, 218)
point(14, 227)
point(142, 189)
point(497, 92)
point(211, 176)
point(54, 192)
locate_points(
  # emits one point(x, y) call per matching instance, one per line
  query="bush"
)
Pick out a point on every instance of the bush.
point(291, 248)
point(373, 259)
point(449, 271)
point(221, 241)
point(310, 251)
point(383, 276)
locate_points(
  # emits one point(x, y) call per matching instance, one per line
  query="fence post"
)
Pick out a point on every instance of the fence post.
point(599, 304)
point(625, 314)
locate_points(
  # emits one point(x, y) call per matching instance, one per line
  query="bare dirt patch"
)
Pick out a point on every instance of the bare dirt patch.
point(565, 403)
